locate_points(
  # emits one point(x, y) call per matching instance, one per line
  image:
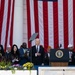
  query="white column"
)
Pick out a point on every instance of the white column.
point(18, 23)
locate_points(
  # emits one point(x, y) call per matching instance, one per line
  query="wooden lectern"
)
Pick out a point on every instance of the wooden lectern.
point(59, 64)
point(59, 57)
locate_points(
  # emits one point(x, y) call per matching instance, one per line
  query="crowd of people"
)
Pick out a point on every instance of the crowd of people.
point(35, 54)
point(15, 55)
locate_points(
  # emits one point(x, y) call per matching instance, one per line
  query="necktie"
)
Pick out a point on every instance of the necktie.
point(37, 49)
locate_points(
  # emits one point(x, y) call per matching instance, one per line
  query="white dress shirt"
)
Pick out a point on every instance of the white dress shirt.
point(38, 48)
point(70, 56)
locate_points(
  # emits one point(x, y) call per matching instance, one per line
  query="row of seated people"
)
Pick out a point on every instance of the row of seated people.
point(14, 55)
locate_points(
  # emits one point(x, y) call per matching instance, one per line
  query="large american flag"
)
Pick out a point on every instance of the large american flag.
point(54, 21)
point(6, 22)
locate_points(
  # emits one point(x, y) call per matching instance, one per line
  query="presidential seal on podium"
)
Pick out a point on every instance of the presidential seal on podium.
point(59, 54)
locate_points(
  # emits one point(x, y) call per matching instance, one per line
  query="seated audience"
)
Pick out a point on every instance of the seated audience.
point(2, 54)
point(47, 56)
point(24, 54)
point(15, 55)
point(8, 53)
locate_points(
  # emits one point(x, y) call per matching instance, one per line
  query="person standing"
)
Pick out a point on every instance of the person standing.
point(70, 48)
point(37, 52)
point(47, 56)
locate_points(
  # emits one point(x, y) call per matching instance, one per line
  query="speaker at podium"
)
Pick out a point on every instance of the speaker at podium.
point(59, 57)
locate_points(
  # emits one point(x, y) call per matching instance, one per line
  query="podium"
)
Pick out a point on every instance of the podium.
point(59, 57)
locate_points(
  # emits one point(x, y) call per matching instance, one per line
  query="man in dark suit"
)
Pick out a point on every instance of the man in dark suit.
point(8, 56)
point(47, 56)
point(37, 52)
point(24, 57)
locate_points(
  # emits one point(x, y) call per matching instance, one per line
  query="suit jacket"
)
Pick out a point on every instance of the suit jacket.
point(73, 58)
point(46, 59)
point(2, 54)
point(8, 56)
point(37, 60)
point(23, 56)
point(21, 52)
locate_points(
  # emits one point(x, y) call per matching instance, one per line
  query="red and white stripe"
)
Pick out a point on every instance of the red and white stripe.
point(70, 20)
point(40, 22)
point(6, 22)
point(32, 19)
point(54, 21)
point(0, 4)
point(10, 25)
point(50, 24)
point(60, 23)
point(74, 22)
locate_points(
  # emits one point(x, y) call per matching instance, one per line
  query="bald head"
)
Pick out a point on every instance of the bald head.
point(37, 41)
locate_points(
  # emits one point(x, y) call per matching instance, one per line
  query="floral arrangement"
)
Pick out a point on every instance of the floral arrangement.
point(28, 65)
point(4, 65)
